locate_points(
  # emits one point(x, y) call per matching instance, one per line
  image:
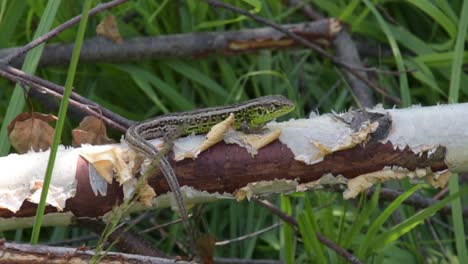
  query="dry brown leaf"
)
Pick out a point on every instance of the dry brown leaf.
point(91, 131)
point(108, 28)
point(31, 131)
point(206, 247)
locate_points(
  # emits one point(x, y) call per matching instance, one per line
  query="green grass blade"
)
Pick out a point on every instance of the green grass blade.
point(146, 88)
point(441, 59)
point(195, 75)
point(228, 74)
point(438, 16)
point(144, 77)
point(2, 10)
point(350, 8)
point(255, 220)
point(60, 122)
point(378, 223)
point(264, 62)
point(157, 11)
point(447, 9)
point(457, 218)
point(308, 228)
point(180, 101)
point(386, 238)
point(404, 87)
point(424, 75)
point(287, 237)
point(453, 98)
point(361, 218)
point(238, 89)
point(11, 19)
point(17, 102)
point(458, 55)
point(257, 7)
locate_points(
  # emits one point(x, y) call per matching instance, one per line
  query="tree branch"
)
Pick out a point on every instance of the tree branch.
point(17, 253)
point(185, 45)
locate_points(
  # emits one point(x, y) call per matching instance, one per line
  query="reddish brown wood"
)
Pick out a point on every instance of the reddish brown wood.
point(85, 203)
point(226, 168)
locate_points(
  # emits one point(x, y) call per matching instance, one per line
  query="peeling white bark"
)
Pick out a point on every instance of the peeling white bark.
point(23, 176)
point(423, 128)
point(420, 128)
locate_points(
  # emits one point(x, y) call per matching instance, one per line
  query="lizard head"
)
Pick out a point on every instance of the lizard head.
point(267, 108)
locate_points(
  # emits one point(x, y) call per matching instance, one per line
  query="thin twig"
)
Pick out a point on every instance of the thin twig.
point(57, 30)
point(73, 103)
point(292, 221)
point(179, 220)
point(248, 236)
point(436, 238)
point(351, 68)
point(441, 193)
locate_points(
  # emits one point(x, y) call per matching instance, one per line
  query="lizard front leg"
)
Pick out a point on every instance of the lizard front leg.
point(249, 129)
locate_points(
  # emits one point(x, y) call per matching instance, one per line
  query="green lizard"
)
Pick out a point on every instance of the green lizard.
point(249, 116)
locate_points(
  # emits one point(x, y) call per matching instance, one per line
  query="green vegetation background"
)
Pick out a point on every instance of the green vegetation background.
point(419, 38)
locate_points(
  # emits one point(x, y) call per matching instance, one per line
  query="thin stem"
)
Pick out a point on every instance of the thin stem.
point(248, 236)
point(60, 124)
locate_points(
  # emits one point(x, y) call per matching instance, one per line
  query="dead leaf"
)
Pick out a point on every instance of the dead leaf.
point(91, 131)
point(206, 247)
point(31, 131)
point(108, 28)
